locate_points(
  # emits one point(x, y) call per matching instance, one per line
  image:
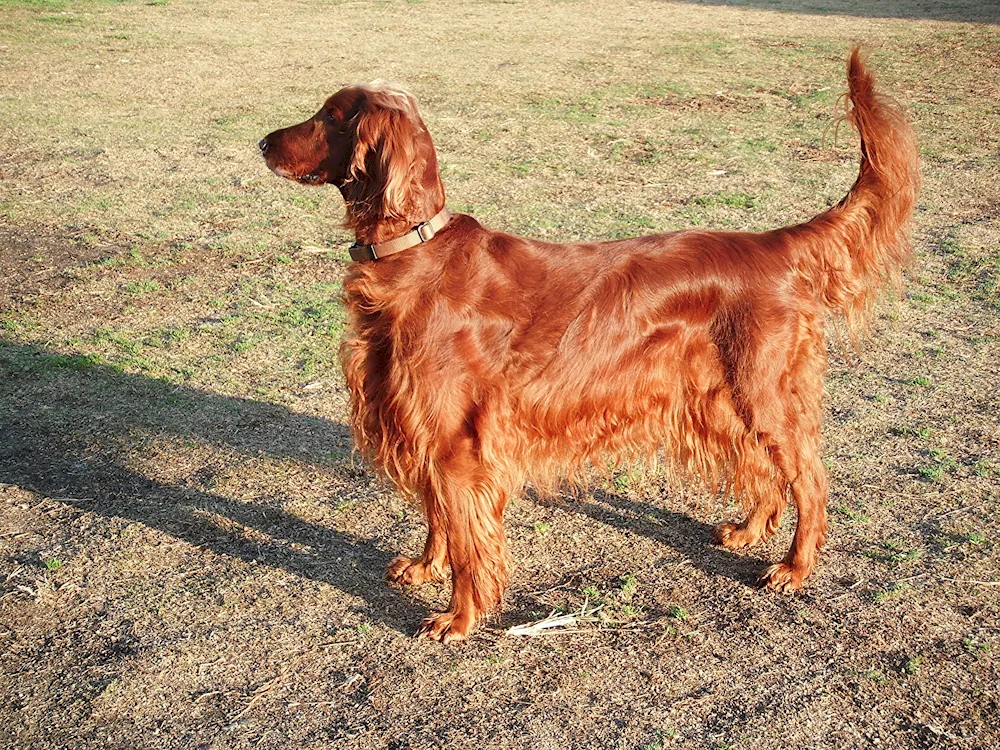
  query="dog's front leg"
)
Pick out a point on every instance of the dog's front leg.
point(472, 505)
point(432, 564)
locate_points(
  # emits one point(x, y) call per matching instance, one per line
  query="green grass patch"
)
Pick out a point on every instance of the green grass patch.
point(852, 516)
point(541, 528)
point(942, 464)
point(907, 431)
point(894, 592)
point(729, 200)
point(677, 613)
point(143, 287)
point(976, 647)
point(912, 664)
point(893, 552)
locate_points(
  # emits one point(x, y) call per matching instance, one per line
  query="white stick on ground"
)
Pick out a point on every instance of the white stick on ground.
point(556, 624)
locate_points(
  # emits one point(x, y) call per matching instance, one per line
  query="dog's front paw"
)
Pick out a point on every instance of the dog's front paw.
point(784, 578)
point(413, 572)
point(447, 627)
point(734, 536)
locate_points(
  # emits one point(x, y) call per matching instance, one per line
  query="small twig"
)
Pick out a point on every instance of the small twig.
point(349, 681)
point(955, 511)
point(970, 581)
point(208, 694)
point(574, 577)
point(846, 593)
point(555, 624)
point(260, 692)
point(910, 578)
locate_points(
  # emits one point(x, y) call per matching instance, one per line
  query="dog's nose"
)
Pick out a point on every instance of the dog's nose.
point(262, 145)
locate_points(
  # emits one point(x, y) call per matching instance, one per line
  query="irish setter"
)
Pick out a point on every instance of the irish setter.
point(478, 361)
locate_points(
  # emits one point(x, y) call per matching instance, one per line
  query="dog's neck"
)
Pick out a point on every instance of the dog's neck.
point(426, 199)
point(382, 229)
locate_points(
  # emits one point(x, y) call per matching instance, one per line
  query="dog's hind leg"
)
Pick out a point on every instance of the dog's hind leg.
point(800, 462)
point(754, 368)
point(797, 456)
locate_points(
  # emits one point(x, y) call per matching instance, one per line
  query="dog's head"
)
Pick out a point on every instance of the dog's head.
point(370, 142)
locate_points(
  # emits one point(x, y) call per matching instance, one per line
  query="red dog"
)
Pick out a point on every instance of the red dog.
point(479, 361)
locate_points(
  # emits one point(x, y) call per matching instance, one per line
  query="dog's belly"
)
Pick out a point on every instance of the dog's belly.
point(667, 392)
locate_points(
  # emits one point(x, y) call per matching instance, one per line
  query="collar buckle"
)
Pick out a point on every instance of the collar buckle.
point(362, 253)
point(425, 231)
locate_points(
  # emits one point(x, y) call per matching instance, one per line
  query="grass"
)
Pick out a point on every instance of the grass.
point(853, 516)
point(894, 592)
point(677, 613)
point(190, 552)
point(893, 552)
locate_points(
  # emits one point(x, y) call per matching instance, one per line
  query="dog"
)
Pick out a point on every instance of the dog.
point(478, 361)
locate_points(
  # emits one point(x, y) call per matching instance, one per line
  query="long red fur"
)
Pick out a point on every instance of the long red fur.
point(480, 361)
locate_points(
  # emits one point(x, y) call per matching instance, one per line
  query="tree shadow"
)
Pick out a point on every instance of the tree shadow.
point(970, 11)
point(66, 427)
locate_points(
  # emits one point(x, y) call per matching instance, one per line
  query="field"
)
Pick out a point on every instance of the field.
point(191, 555)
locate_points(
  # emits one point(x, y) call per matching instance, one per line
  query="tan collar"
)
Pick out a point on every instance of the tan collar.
point(420, 233)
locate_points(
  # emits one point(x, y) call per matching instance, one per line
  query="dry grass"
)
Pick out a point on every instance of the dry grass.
point(189, 555)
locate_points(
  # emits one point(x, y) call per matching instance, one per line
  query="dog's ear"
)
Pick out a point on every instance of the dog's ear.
point(382, 174)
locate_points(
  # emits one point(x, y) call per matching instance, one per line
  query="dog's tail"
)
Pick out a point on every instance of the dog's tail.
point(852, 251)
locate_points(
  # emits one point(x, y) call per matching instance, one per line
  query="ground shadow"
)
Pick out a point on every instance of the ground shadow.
point(679, 532)
point(685, 535)
point(66, 426)
point(970, 11)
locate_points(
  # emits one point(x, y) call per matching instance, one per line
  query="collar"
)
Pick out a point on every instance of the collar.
point(419, 234)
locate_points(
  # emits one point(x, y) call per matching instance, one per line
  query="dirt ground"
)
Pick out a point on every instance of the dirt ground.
point(192, 557)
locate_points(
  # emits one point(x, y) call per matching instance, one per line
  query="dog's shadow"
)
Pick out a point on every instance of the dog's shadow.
point(678, 532)
point(687, 536)
point(67, 425)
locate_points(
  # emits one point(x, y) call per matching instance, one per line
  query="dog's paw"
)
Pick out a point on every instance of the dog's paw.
point(447, 627)
point(413, 572)
point(734, 536)
point(784, 578)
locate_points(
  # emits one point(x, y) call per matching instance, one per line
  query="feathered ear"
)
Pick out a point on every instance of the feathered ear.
point(381, 178)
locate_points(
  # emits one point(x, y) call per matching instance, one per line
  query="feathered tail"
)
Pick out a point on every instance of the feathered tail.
point(861, 245)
